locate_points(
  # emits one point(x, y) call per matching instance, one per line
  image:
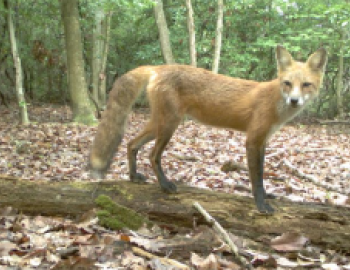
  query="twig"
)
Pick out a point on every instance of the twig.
point(277, 153)
point(183, 157)
point(312, 178)
point(167, 261)
point(335, 122)
point(304, 150)
point(300, 150)
point(216, 225)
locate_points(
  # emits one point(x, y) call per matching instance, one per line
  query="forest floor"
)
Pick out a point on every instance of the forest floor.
point(53, 149)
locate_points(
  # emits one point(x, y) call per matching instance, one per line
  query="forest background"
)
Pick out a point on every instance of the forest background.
point(58, 61)
point(119, 35)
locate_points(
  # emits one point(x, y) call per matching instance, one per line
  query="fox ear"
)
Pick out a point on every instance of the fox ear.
point(283, 57)
point(318, 60)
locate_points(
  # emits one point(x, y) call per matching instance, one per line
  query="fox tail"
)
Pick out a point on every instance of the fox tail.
point(111, 128)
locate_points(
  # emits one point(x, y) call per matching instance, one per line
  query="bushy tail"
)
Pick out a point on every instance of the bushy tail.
point(111, 128)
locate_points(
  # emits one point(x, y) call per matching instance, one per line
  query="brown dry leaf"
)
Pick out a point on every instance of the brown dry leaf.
point(35, 262)
point(209, 263)
point(52, 258)
point(331, 266)
point(83, 239)
point(156, 264)
point(290, 241)
point(6, 247)
point(13, 260)
point(110, 239)
point(264, 260)
point(227, 265)
point(284, 262)
point(130, 261)
point(124, 238)
point(75, 264)
point(89, 251)
point(149, 245)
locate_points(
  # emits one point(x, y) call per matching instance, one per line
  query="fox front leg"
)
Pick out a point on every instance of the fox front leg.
point(255, 157)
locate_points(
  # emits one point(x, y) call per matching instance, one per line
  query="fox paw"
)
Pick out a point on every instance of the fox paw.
point(270, 196)
point(168, 187)
point(265, 208)
point(138, 178)
point(97, 174)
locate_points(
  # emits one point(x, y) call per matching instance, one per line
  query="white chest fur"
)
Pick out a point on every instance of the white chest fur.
point(285, 113)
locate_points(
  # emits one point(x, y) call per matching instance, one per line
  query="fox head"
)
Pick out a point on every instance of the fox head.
point(300, 82)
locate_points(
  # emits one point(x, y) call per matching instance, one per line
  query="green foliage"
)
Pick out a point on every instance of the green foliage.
point(252, 28)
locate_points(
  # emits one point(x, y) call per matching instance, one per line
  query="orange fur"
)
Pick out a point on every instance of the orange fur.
point(258, 108)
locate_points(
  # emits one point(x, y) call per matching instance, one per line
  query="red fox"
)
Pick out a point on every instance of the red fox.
point(258, 108)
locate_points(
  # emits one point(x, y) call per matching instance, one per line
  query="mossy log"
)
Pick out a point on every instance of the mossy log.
point(324, 225)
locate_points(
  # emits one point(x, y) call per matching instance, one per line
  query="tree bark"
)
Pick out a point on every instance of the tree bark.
point(164, 38)
point(218, 37)
point(106, 28)
point(324, 225)
point(191, 33)
point(96, 54)
point(18, 66)
point(80, 103)
point(339, 89)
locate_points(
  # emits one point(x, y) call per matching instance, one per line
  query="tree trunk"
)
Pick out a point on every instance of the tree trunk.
point(324, 225)
point(163, 32)
point(80, 103)
point(106, 28)
point(101, 37)
point(339, 90)
point(96, 54)
point(191, 33)
point(18, 66)
point(218, 37)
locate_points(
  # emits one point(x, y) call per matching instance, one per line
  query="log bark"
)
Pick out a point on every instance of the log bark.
point(325, 225)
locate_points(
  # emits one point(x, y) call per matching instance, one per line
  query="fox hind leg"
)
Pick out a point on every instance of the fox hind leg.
point(134, 146)
point(164, 134)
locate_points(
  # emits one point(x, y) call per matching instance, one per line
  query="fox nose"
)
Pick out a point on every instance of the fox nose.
point(294, 101)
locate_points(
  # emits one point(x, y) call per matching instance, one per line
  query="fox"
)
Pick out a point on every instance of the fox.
point(257, 108)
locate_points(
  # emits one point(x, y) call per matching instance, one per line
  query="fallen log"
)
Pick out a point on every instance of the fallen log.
point(325, 225)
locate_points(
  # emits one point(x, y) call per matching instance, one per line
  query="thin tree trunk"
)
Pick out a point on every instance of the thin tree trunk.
point(191, 33)
point(18, 66)
point(339, 91)
point(96, 53)
point(106, 28)
point(163, 32)
point(218, 38)
point(80, 102)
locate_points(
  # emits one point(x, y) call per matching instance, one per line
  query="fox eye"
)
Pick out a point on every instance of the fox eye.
point(306, 84)
point(287, 83)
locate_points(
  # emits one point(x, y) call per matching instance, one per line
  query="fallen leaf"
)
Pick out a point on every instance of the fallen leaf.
point(209, 263)
point(289, 241)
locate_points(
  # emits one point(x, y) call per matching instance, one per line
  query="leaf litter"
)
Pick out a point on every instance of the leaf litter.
point(53, 149)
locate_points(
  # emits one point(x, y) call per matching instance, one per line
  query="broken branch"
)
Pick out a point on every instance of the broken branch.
point(216, 225)
point(167, 261)
point(311, 178)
